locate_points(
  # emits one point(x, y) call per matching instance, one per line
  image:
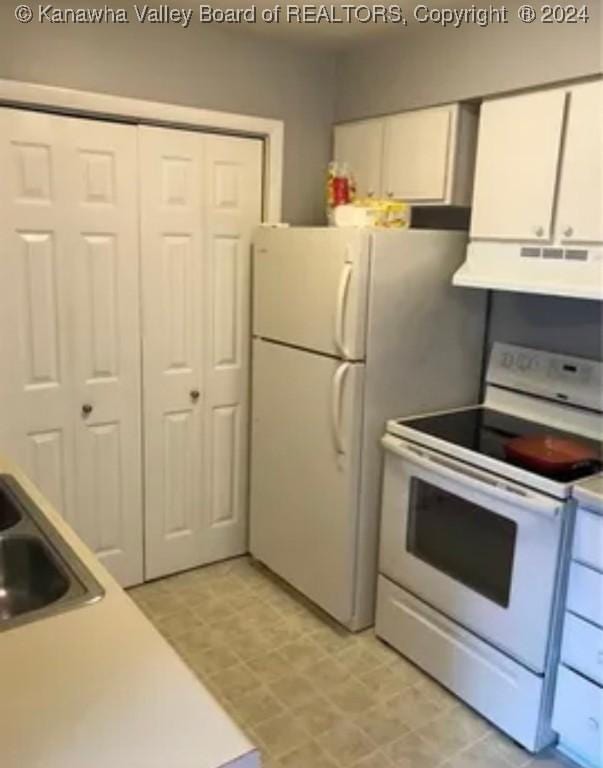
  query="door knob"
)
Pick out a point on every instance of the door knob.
point(86, 409)
point(195, 394)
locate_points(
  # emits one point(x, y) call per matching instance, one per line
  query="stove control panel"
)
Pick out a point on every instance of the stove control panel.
point(566, 379)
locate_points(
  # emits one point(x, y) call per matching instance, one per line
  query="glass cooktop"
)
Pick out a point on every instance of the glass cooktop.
point(486, 431)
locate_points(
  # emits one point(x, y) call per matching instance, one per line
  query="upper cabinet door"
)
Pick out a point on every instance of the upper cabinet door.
point(580, 213)
point(361, 146)
point(517, 166)
point(416, 154)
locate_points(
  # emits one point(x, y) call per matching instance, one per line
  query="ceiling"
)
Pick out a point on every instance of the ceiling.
point(323, 34)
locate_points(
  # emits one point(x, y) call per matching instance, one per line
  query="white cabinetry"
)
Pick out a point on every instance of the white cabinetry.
point(517, 165)
point(361, 146)
point(540, 166)
point(580, 215)
point(429, 155)
point(537, 219)
point(423, 156)
point(578, 710)
point(74, 409)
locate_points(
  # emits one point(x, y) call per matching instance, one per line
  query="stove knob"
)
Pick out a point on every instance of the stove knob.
point(507, 360)
point(524, 363)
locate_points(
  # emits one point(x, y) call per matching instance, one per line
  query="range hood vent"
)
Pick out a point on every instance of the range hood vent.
point(532, 268)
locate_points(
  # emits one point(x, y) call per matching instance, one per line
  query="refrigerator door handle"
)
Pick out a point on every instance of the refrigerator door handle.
point(340, 307)
point(336, 405)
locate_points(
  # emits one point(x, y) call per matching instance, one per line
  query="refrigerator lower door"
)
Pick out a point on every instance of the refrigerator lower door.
point(305, 476)
point(310, 288)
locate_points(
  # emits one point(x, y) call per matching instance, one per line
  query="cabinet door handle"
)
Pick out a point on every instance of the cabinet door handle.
point(195, 395)
point(86, 409)
point(568, 231)
point(539, 231)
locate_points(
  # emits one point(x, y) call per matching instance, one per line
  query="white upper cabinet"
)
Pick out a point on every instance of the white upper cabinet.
point(361, 146)
point(517, 166)
point(580, 210)
point(429, 155)
point(424, 156)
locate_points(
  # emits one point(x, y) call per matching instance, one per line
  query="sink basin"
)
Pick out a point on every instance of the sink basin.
point(30, 579)
point(9, 514)
point(40, 575)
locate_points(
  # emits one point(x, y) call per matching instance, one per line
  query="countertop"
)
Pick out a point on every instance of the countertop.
point(590, 493)
point(98, 687)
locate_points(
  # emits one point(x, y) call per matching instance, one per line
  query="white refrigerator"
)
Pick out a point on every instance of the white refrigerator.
point(350, 327)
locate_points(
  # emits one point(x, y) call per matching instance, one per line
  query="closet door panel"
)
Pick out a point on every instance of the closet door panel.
point(106, 329)
point(233, 182)
point(69, 332)
point(173, 296)
point(35, 385)
point(201, 198)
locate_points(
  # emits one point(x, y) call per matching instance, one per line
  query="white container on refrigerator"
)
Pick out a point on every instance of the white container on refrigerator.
point(350, 326)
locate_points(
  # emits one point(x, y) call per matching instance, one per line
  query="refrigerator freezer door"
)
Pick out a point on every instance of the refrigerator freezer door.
point(310, 288)
point(305, 457)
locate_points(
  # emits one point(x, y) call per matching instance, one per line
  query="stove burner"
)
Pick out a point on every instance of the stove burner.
point(487, 431)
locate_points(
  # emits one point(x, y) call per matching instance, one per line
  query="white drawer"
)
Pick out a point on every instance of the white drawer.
point(578, 716)
point(582, 647)
point(588, 539)
point(585, 595)
point(460, 661)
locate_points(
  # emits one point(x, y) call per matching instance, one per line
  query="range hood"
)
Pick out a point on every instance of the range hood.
point(533, 268)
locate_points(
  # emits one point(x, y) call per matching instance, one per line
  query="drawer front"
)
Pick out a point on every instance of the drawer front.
point(582, 647)
point(578, 716)
point(588, 539)
point(585, 595)
point(463, 663)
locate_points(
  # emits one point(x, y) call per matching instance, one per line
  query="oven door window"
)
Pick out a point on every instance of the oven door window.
point(467, 542)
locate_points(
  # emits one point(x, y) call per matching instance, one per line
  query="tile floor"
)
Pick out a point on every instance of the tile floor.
point(309, 694)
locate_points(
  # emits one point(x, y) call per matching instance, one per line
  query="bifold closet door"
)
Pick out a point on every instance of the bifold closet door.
point(69, 330)
point(200, 200)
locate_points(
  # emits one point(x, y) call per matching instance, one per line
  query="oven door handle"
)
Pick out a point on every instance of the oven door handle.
point(474, 479)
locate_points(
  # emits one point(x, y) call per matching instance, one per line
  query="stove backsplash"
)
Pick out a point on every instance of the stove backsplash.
point(566, 326)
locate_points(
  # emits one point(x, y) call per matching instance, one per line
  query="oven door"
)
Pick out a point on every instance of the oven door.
point(483, 551)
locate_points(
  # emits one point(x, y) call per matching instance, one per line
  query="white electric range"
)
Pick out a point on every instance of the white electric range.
point(475, 549)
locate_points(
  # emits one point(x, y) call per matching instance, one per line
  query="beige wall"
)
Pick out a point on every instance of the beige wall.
point(205, 67)
point(423, 65)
